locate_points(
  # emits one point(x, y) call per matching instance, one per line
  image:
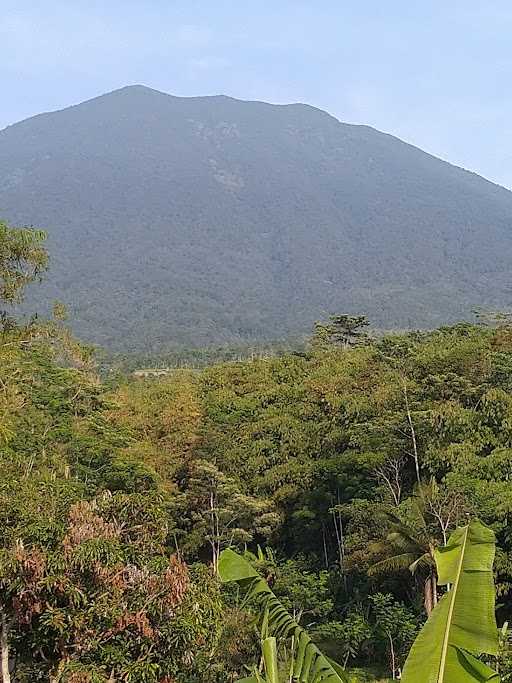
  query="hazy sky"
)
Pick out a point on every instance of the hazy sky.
point(437, 73)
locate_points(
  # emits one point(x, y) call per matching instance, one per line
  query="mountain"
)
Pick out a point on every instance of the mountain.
point(209, 220)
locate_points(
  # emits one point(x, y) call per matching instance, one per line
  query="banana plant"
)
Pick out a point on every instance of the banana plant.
point(307, 664)
point(270, 661)
point(462, 626)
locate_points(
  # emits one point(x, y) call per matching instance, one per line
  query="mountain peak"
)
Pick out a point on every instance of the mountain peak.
point(136, 89)
point(209, 220)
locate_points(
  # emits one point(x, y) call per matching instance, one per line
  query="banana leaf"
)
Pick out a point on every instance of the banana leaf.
point(309, 664)
point(463, 625)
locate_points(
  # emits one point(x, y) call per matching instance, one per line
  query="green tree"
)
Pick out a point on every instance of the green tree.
point(99, 596)
point(341, 330)
point(397, 624)
point(411, 544)
point(304, 592)
point(350, 636)
point(22, 260)
point(221, 514)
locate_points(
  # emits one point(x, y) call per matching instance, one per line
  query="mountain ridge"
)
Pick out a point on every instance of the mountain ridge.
point(210, 220)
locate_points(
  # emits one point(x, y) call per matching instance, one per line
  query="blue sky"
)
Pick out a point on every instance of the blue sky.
point(437, 74)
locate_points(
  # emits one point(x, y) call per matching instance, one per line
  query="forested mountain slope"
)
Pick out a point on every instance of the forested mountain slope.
point(211, 220)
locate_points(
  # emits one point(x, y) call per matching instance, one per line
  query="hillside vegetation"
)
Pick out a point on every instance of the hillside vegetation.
point(199, 221)
point(343, 471)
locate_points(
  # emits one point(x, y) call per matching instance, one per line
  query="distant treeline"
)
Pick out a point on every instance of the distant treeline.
point(197, 358)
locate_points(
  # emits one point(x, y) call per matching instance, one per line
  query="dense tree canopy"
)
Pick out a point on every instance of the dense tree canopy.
point(347, 465)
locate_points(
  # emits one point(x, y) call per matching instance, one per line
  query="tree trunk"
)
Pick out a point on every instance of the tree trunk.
point(326, 557)
point(392, 652)
point(428, 595)
point(4, 645)
point(413, 436)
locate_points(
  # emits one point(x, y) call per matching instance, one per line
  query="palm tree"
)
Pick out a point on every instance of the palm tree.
point(412, 549)
point(431, 513)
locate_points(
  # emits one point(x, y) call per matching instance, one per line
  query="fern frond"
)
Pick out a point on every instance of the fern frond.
point(392, 564)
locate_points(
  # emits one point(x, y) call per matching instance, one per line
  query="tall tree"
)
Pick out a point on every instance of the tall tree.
point(411, 545)
point(341, 330)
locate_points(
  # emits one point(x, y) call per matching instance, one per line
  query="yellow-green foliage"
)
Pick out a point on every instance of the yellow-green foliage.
point(297, 453)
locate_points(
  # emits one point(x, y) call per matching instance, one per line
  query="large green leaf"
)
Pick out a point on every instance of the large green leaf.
point(308, 663)
point(462, 626)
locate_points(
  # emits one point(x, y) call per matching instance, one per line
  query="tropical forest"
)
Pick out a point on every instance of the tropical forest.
point(334, 511)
